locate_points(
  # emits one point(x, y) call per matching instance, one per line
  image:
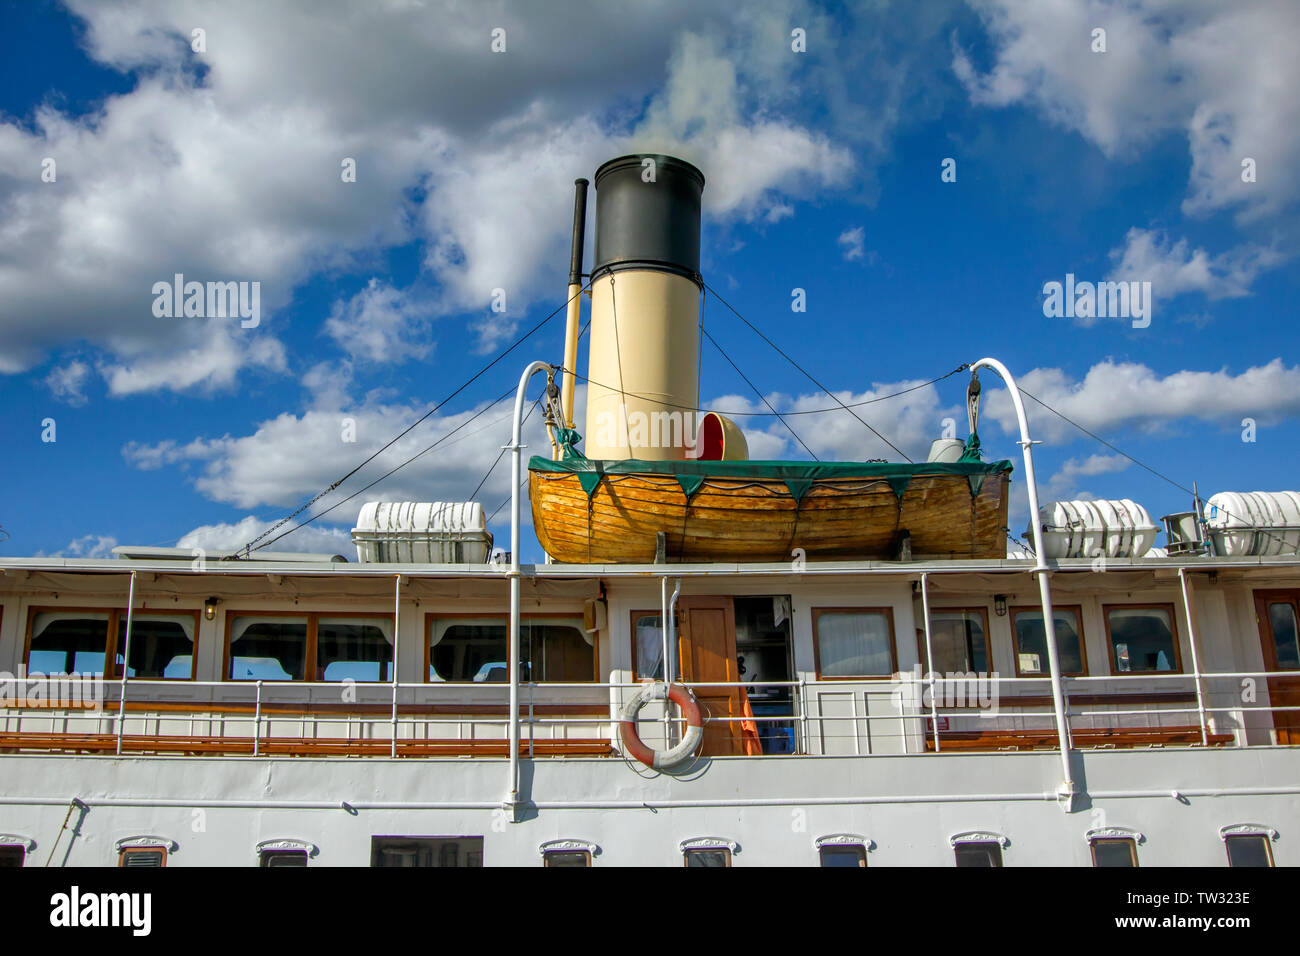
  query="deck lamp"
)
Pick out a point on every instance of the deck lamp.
point(1000, 605)
point(210, 608)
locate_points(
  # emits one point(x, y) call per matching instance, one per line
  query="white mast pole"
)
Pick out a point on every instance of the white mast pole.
point(511, 804)
point(1041, 570)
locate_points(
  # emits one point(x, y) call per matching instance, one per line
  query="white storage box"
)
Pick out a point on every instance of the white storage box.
point(422, 532)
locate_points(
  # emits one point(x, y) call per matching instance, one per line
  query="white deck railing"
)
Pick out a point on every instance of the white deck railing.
point(887, 715)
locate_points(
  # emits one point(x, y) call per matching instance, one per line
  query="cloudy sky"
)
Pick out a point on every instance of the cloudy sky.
point(141, 140)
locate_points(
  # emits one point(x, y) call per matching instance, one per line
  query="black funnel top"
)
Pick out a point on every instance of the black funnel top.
point(648, 215)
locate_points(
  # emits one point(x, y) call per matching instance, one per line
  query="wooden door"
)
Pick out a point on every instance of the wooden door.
point(706, 649)
point(1278, 614)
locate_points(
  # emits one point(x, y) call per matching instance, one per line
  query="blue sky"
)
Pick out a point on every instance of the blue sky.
point(823, 171)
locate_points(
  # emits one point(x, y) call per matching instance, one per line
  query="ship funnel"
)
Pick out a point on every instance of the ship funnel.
point(643, 361)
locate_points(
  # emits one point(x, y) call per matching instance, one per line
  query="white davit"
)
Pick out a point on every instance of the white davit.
point(1097, 529)
point(1254, 522)
point(422, 532)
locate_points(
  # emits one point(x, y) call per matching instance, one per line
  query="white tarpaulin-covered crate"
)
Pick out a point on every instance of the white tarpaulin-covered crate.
point(1254, 522)
point(1097, 529)
point(422, 532)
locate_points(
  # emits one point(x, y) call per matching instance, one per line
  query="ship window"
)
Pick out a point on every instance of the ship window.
point(329, 647)
point(1031, 641)
point(80, 642)
point(647, 646)
point(359, 649)
point(68, 643)
point(843, 855)
point(1142, 639)
point(707, 856)
point(854, 642)
point(1114, 851)
point(268, 648)
point(426, 851)
point(12, 855)
point(273, 858)
point(978, 853)
point(142, 856)
point(1249, 849)
point(959, 641)
point(475, 650)
point(566, 858)
point(162, 647)
point(1281, 616)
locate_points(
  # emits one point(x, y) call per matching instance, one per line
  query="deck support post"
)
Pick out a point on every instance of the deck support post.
point(397, 610)
point(126, 660)
point(929, 662)
point(1196, 660)
point(1067, 790)
point(511, 804)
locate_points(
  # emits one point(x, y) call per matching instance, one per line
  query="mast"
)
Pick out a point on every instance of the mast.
point(575, 297)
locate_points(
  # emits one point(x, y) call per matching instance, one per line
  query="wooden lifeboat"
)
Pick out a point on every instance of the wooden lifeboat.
point(611, 512)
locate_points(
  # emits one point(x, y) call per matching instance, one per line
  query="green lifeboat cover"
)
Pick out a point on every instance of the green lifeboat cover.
point(797, 475)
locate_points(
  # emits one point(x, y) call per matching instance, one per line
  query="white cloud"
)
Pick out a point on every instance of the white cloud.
point(850, 241)
point(1220, 74)
point(1115, 395)
point(288, 458)
point(1174, 268)
point(68, 382)
point(87, 546)
point(467, 151)
point(1065, 485)
point(380, 324)
point(213, 362)
point(312, 539)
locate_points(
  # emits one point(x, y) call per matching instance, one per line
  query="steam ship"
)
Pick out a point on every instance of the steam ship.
point(721, 662)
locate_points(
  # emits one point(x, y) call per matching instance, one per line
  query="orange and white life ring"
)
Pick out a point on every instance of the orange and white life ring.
point(690, 742)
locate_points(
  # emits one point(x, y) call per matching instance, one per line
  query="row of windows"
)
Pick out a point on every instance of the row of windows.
point(859, 642)
point(983, 850)
point(277, 646)
point(847, 643)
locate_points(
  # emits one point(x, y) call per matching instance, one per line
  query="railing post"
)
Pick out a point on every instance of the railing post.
point(126, 660)
point(257, 718)
point(1196, 662)
point(803, 713)
point(929, 660)
point(397, 609)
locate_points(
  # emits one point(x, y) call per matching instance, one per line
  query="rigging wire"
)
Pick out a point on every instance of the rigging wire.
point(807, 411)
point(1061, 415)
point(807, 374)
point(502, 453)
point(248, 548)
point(388, 474)
point(759, 394)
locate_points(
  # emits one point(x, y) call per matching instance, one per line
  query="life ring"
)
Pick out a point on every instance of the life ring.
point(683, 698)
